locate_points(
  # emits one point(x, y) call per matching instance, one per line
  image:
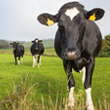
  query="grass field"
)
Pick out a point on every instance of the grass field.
point(50, 82)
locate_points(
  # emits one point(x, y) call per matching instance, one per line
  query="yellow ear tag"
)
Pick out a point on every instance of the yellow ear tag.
point(92, 17)
point(49, 22)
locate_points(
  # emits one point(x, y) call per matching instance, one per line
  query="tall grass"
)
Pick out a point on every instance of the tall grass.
point(23, 97)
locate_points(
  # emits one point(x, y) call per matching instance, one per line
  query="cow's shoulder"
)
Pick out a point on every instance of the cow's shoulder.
point(57, 44)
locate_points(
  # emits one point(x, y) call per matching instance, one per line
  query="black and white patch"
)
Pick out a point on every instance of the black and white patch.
point(72, 12)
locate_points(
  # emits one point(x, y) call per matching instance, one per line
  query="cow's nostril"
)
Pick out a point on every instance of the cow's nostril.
point(36, 48)
point(69, 55)
point(75, 53)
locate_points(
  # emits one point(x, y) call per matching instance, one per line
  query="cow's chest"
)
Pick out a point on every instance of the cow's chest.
point(77, 65)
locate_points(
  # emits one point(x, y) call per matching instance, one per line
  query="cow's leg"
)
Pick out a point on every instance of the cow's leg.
point(15, 60)
point(38, 60)
point(19, 60)
point(71, 82)
point(83, 74)
point(87, 84)
point(22, 59)
point(34, 61)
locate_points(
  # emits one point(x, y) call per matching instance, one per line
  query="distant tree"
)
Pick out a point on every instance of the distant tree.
point(107, 38)
point(105, 50)
point(4, 44)
point(21, 42)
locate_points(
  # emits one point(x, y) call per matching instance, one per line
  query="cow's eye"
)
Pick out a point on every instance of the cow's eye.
point(61, 27)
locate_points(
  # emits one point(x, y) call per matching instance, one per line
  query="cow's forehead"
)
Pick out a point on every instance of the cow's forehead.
point(36, 40)
point(72, 12)
point(14, 42)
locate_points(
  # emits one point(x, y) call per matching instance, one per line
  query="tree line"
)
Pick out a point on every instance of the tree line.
point(105, 49)
point(4, 44)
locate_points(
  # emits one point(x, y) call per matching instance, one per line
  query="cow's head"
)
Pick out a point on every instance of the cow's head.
point(14, 45)
point(71, 20)
point(36, 43)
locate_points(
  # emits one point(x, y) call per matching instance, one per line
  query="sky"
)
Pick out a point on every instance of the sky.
point(18, 18)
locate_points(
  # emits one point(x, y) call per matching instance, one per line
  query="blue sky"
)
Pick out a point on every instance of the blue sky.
point(18, 18)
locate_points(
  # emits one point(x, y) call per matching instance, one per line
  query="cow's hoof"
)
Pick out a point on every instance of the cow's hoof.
point(90, 106)
point(33, 66)
point(38, 66)
point(70, 107)
point(71, 103)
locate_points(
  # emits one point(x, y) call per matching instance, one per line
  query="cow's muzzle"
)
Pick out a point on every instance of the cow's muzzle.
point(70, 55)
point(36, 48)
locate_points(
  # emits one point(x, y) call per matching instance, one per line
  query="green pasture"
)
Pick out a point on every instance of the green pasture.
point(50, 73)
point(50, 78)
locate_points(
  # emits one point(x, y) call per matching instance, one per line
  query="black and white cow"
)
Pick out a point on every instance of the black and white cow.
point(37, 50)
point(18, 51)
point(77, 42)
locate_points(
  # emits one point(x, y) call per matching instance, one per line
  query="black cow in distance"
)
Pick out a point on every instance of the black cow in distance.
point(37, 50)
point(18, 51)
point(77, 42)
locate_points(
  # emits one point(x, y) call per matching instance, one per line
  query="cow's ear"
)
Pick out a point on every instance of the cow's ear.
point(95, 14)
point(40, 41)
point(33, 41)
point(17, 43)
point(47, 19)
point(11, 43)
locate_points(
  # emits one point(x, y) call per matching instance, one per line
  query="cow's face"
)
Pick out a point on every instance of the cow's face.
point(71, 24)
point(36, 43)
point(14, 45)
